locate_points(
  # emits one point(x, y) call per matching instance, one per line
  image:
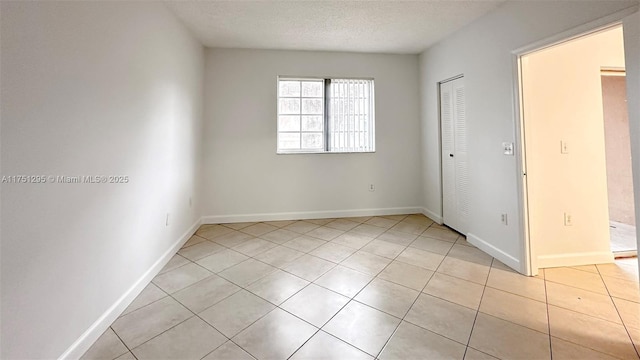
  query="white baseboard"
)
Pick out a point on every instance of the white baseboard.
point(432, 215)
point(505, 258)
point(301, 215)
point(84, 342)
point(575, 259)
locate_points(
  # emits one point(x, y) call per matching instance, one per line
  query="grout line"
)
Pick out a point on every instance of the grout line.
point(546, 301)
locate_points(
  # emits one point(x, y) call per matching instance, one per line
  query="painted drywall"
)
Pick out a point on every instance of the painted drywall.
point(562, 103)
point(244, 177)
point(631, 28)
point(91, 88)
point(482, 52)
point(618, 149)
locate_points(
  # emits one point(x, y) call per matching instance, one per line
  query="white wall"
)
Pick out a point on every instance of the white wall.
point(482, 52)
point(107, 88)
point(245, 179)
point(631, 28)
point(562, 96)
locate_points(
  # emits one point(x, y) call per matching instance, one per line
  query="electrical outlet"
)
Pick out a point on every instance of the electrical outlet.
point(568, 219)
point(564, 147)
point(503, 219)
point(167, 221)
point(507, 148)
point(372, 187)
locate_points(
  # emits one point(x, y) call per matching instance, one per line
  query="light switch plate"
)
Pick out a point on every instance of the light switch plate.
point(507, 148)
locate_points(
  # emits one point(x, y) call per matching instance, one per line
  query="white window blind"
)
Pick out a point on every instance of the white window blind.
point(351, 116)
point(325, 115)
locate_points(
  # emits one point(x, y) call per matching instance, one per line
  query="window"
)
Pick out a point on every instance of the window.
point(325, 115)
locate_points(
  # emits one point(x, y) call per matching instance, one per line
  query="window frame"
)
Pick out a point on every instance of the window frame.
point(325, 116)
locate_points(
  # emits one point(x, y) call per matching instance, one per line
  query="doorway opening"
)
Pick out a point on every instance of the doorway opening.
point(573, 179)
point(622, 219)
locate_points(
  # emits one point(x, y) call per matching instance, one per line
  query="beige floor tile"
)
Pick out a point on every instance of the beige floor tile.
point(506, 340)
point(304, 243)
point(456, 290)
point(198, 251)
point(107, 347)
point(344, 281)
point(591, 332)
point(315, 304)
point(259, 229)
point(409, 228)
point(408, 275)
point(239, 225)
point(276, 336)
point(383, 248)
point(279, 256)
point(470, 254)
point(222, 260)
point(629, 312)
point(442, 317)
point(247, 272)
point(386, 296)
point(516, 309)
point(150, 294)
point(352, 240)
point(432, 245)
point(576, 278)
point(205, 293)
point(280, 236)
point(181, 277)
point(510, 281)
point(232, 239)
point(366, 263)
point(441, 234)
point(588, 268)
point(235, 313)
point(326, 347)
point(582, 301)
point(413, 342)
point(126, 356)
point(228, 351)
point(342, 224)
point(333, 252)
point(143, 324)
point(213, 231)
point(320, 222)
point(175, 262)
point(418, 219)
point(253, 247)
point(623, 269)
point(277, 286)
point(363, 327)
point(325, 233)
point(465, 270)
point(280, 223)
point(195, 239)
point(425, 259)
point(473, 354)
point(463, 241)
point(301, 227)
point(623, 289)
point(368, 230)
point(381, 222)
point(564, 350)
point(635, 337)
point(309, 267)
point(359, 219)
point(397, 237)
point(191, 339)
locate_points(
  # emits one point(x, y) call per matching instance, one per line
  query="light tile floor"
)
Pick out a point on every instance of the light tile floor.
point(391, 287)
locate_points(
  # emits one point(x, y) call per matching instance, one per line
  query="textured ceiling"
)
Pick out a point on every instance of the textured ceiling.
point(405, 27)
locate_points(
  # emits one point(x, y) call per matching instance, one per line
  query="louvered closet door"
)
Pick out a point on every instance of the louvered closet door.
point(455, 176)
